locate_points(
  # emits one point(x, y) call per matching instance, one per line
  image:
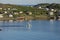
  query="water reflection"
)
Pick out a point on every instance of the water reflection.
point(10, 20)
point(33, 30)
point(51, 25)
point(29, 25)
point(16, 25)
point(54, 26)
point(51, 21)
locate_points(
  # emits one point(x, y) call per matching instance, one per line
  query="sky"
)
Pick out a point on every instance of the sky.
point(28, 2)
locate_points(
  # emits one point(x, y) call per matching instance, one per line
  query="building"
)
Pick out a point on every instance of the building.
point(16, 13)
point(5, 12)
point(29, 13)
point(0, 8)
point(10, 15)
point(21, 12)
point(47, 9)
point(39, 7)
point(9, 8)
point(51, 13)
point(52, 9)
point(1, 15)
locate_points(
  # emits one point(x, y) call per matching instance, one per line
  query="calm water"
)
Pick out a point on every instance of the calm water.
point(30, 30)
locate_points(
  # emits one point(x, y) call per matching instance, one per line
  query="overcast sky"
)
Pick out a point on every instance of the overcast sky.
point(28, 2)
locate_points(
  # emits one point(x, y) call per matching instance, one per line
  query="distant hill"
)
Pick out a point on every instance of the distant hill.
point(42, 5)
point(8, 5)
point(54, 6)
point(5, 5)
point(46, 5)
point(19, 7)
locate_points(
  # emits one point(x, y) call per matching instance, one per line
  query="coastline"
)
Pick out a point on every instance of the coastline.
point(42, 17)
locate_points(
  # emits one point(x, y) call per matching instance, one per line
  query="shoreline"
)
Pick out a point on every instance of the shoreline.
point(26, 18)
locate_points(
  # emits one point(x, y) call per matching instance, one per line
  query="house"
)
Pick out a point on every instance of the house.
point(51, 13)
point(9, 8)
point(47, 9)
point(5, 12)
point(1, 15)
point(10, 15)
point(52, 9)
point(29, 13)
point(1, 8)
point(39, 7)
point(21, 12)
point(16, 13)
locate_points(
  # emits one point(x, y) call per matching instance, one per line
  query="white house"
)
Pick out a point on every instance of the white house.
point(52, 9)
point(5, 11)
point(8, 8)
point(47, 9)
point(21, 12)
point(10, 15)
point(16, 13)
point(29, 13)
point(0, 8)
point(1, 15)
point(51, 13)
point(40, 7)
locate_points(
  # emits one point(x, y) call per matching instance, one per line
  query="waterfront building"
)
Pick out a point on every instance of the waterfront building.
point(1, 15)
point(10, 15)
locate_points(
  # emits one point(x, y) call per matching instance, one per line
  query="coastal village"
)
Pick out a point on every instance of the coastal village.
point(29, 13)
point(29, 19)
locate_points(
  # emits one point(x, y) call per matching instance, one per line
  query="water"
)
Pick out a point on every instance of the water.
point(30, 30)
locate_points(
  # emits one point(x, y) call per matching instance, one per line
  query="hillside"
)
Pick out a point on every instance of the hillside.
point(46, 5)
point(23, 8)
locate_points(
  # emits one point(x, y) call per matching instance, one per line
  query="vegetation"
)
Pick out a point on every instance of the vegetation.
point(36, 12)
